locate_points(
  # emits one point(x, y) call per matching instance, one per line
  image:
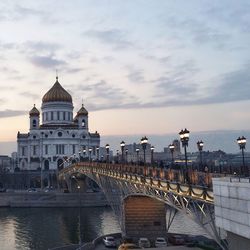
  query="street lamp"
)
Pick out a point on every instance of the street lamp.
point(152, 154)
point(90, 151)
point(171, 148)
point(117, 156)
point(242, 144)
point(84, 153)
point(122, 144)
point(137, 155)
point(80, 236)
point(79, 155)
point(126, 153)
point(107, 152)
point(144, 142)
point(200, 145)
point(41, 159)
point(97, 152)
point(184, 136)
point(80, 205)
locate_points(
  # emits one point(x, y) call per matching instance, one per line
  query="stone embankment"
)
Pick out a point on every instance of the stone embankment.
point(52, 199)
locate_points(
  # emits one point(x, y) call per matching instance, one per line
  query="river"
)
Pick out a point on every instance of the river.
point(43, 228)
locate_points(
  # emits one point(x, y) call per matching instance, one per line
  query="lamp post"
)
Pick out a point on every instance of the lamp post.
point(84, 154)
point(122, 144)
point(184, 136)
point(97, 152)
point(41, 160)
point(80, 232)
point(117, 156)
point(137, 155)
point(171, 148)
point(90, 151)
point(242, 144)
point(152, 154)
point(79, 199)
point(200, 145)
point(107, 152)
point(126, 153)
point(144, 142)
point(79, 155)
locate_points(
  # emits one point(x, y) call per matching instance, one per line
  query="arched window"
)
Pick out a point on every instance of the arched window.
point(83, 122)
point(34, 123)
point(46, 165)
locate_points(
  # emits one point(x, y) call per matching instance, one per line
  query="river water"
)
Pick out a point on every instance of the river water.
point(43, 228)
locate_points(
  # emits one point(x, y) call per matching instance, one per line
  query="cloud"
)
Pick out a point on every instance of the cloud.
point(7, 70)
point(113, 37)
point(235, 15)
point(232, 86)
point(198, 31)
point(46, 61)
point(21, 12)
point(136, 76)
point(41, 46)
point(29, 95)
point(102, 95)
point(73, 70)
point(11, 113)
point(7, 46)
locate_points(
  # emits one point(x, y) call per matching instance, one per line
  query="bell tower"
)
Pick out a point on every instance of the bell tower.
point(82, 117)
point(34, 118)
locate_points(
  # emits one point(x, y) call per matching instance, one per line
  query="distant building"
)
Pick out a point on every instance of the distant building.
point(55, 135)
point(5, 163)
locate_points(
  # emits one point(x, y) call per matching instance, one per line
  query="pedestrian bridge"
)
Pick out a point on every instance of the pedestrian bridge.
point(146, 199)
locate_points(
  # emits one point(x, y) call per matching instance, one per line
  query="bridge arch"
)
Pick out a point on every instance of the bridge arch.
point(118, 184)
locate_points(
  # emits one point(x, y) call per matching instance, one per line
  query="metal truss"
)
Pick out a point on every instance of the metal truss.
point(194, 203)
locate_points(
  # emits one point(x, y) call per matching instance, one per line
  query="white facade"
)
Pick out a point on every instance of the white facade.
point(232, 210)
point(56, 137)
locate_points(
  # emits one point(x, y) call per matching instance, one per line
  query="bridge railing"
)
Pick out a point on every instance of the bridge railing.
point(191, 177)
point(161, 179)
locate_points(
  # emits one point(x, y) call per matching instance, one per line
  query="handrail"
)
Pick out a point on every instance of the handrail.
point(119, 171)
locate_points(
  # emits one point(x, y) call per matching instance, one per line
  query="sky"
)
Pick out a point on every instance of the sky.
point(141, 67)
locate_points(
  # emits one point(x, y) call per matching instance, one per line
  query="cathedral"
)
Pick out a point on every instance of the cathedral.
point(56, 137)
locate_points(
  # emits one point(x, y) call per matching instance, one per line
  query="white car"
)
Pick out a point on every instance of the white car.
point(109, 241)
point(143, 242)
point(160, 242)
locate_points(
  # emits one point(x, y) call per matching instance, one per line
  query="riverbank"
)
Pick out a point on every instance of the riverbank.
point(52, 199)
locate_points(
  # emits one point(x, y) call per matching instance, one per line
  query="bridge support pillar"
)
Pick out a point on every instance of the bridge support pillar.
point(144, 217)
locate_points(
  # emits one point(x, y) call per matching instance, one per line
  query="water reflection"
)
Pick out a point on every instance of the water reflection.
point(42, 228)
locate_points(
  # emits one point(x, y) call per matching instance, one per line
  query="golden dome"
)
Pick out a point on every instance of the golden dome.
point(57, 94)
point(82, 111)
point(34, 111)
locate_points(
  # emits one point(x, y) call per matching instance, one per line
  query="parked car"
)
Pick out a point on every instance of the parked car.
point(31, 190)
point(143, 242)
point(109, 241)
point(176, 239)
point(125, 246)
point(48, 189)
point(160, 242)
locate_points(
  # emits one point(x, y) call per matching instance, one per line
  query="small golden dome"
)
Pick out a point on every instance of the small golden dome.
point(34, 111)
point(82, 111)
point(57, 94)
